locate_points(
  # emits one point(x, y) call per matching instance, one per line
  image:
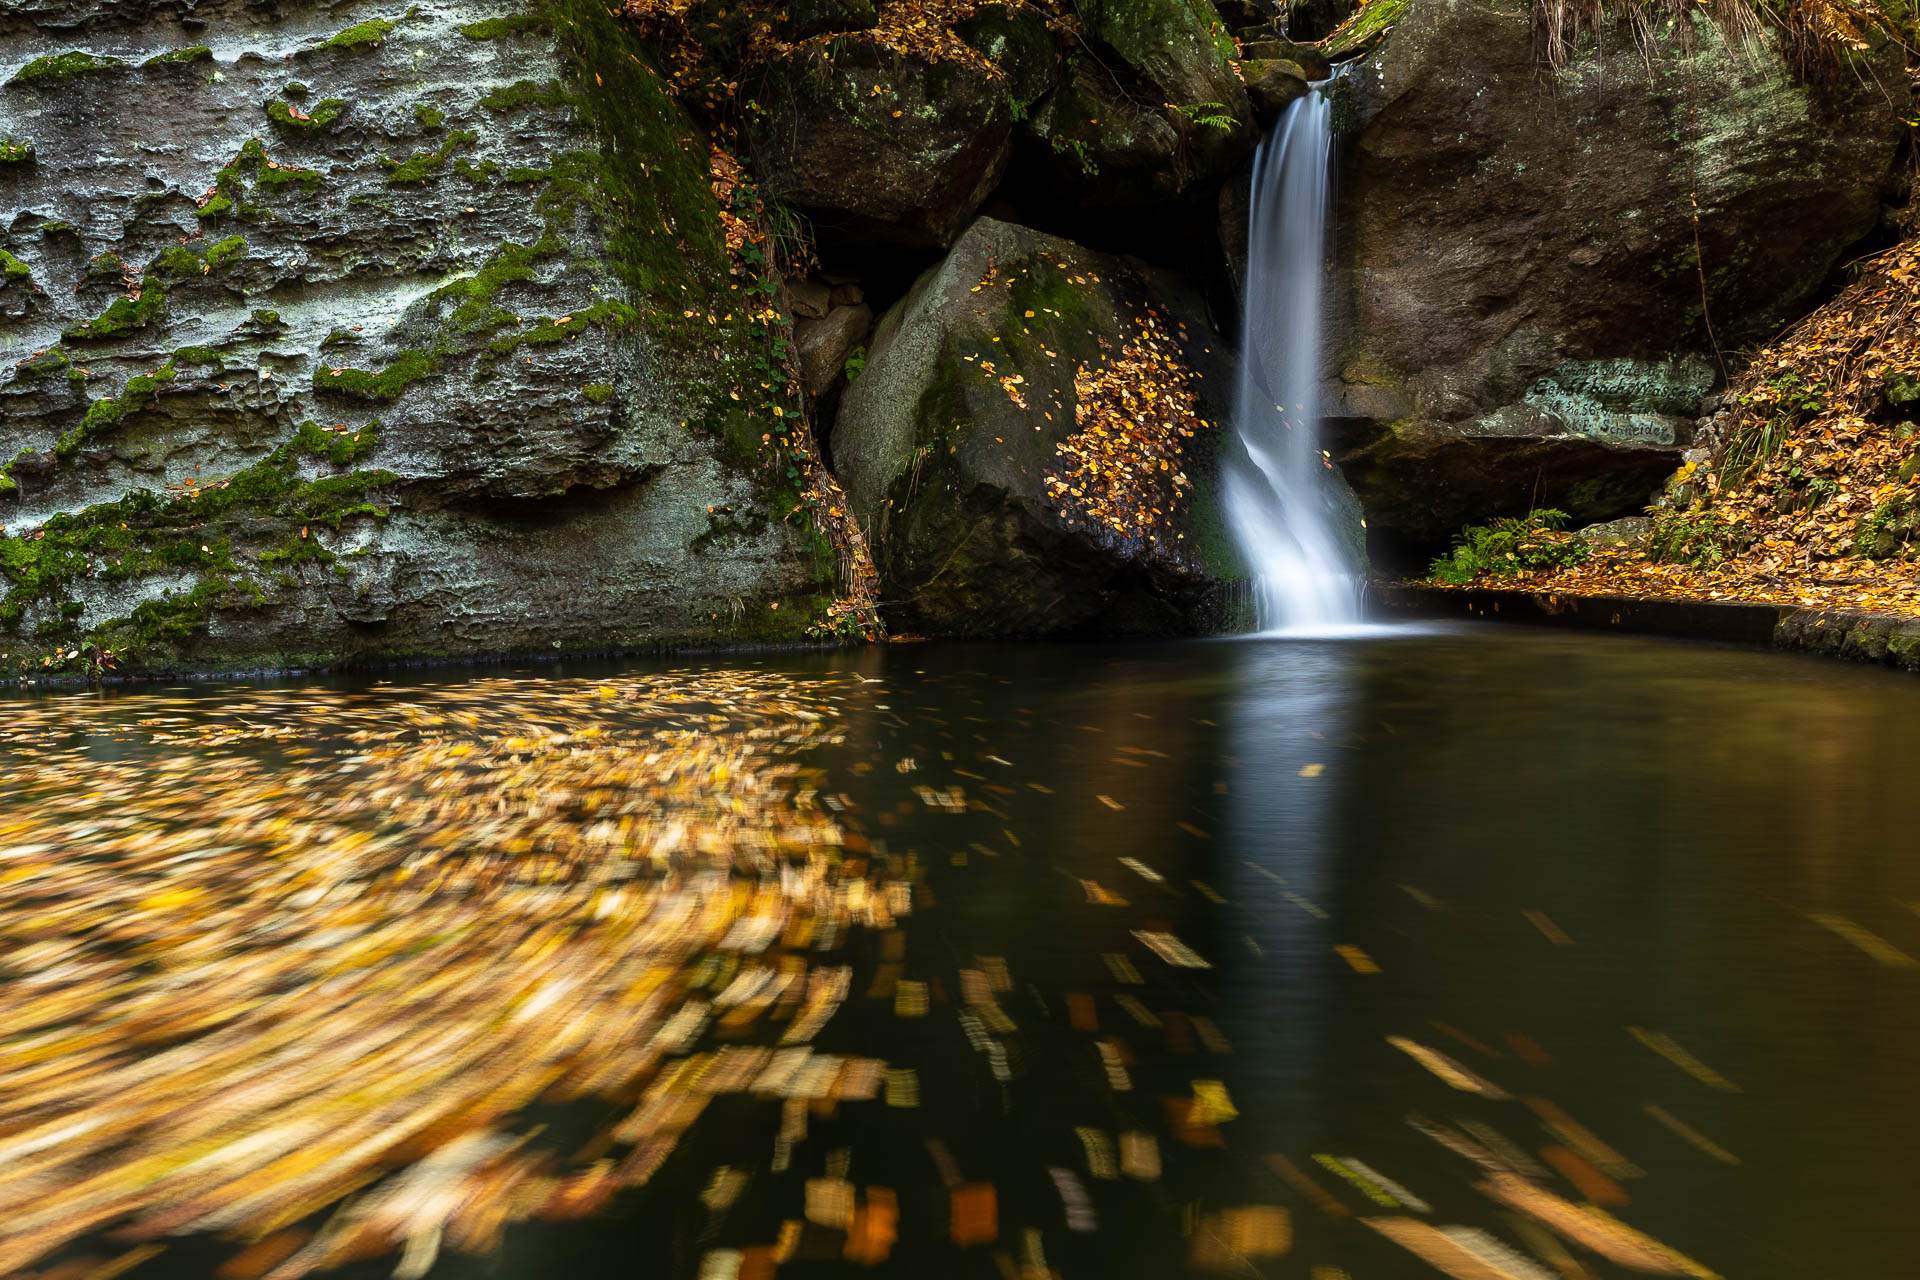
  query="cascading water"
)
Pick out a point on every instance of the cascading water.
point(1280, 501)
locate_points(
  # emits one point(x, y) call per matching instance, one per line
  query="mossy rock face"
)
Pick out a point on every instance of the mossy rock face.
point(1179, 53)
point(480, 399)
point(1102, 144)
point(1274, 84)
point(1310, 60)
point(1525, 267)
point(52, 70)
point(956, 446)
point(1015, 38)
point(1149, 109)
point(896, 145)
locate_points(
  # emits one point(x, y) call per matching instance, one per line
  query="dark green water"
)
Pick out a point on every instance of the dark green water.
point(1664, 897)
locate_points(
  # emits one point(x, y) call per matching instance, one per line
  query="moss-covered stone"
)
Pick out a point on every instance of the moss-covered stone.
point(43, 364)
point(382, 387)
point(1179, 50)
point(594, 371)
point(511, 24)
point(221, 252)
point(58, 68)
point(1015, 38)
point(526, 93)
point(180, 57)
point(104, 415)
point(203, 533)
point(606, 314)
point(171, 266)
point(12, 269)
point(475, 175)
point(421, 166)
point(361, 35)
point(962, 446)
point(1365, 27)
point(901, 145)
point(15, 151)
point(1891, 529)
point(297, 120)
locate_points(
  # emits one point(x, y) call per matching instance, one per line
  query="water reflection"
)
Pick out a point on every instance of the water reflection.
point(1526, 952)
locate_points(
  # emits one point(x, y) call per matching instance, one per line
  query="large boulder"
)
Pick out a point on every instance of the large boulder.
point(1528, 250)
point(410, 337)
point(1015, 38)
point(1150, 106)
point(874, 141)
point(1034, 444)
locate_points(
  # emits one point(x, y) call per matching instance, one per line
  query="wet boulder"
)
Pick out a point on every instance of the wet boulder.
point(1017, 40)
point(1034, 444)
point(1150, 107)
point(1273, 85)
point(1308, 60)
point(1103, 144)
point(874, 141)
point(1528, 250)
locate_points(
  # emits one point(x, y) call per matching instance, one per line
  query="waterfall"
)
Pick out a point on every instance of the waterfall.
point(1280, 502)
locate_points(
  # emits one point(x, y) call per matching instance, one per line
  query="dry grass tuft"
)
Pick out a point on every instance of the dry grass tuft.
point(1817, 37)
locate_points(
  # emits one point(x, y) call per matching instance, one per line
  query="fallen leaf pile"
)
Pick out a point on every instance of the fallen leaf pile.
point(1123, 467)
point(1806, 489)
point(267, 950)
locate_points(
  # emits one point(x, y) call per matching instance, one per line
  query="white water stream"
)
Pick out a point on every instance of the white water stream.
point(1282, 506)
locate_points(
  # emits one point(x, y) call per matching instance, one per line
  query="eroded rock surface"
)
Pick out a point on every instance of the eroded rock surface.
point(368, 332)
point(1525, 264)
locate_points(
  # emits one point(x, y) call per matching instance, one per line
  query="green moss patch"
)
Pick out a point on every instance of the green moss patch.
point(43, 364)
point(382, 387)
point(475, 175)
point(58, 68)
point(103, 416)
point(12, 269)
point(428, 116)
point(511, 24)
point(423, 165)
point(1367, 24)
point(14, 151)
point(526, 93)
point(180, 57)
point(252, 164)
point(296, 120)
point(606, 314)
point(361, 35)
point(598, 392)
point(207, 533)
point(221, 252)
point(173, 265)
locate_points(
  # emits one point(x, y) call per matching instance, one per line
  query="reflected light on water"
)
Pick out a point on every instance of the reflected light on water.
point(1477, 953)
